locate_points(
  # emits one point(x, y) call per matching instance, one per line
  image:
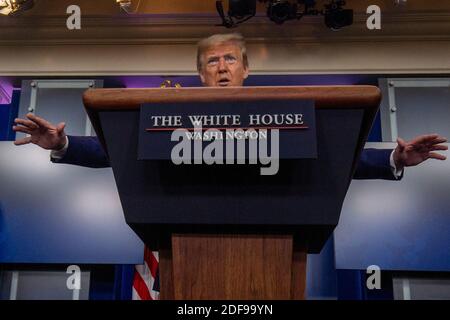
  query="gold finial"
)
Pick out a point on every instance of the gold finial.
point(168, 84)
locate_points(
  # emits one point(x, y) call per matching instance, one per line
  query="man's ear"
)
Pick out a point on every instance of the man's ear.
point(246, 72)
point(202, 77)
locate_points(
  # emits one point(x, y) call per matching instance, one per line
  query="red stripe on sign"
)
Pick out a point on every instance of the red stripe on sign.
point(229, 128)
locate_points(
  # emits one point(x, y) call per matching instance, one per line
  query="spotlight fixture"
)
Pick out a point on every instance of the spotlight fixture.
point(125, 5)
point(238, 11)
point(336, 17)
point(12, 7)
point(280, 11)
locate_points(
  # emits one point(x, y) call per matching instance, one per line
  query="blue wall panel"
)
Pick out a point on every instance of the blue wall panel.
point(397, 225)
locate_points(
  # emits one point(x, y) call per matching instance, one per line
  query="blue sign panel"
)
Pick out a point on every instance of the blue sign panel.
point(231, 131)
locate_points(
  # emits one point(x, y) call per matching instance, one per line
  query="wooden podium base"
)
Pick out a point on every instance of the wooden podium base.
point(232, 267)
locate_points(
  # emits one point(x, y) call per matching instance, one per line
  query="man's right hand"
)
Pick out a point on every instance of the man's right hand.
point(41, 132)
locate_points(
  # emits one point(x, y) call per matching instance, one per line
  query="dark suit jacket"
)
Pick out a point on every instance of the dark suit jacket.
point(88, 152)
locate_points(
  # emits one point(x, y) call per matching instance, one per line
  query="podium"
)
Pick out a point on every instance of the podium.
point(226, 232)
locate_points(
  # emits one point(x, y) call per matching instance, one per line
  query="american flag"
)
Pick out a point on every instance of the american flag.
point(146, 277)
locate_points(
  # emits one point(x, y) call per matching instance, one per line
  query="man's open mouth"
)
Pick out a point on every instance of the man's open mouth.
point(224, 82)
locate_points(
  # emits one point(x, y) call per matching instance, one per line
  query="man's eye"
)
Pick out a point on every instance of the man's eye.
point(213, 62)
point(230, 59)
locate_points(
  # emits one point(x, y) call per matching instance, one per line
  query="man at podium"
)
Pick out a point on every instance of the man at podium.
point(222, 62)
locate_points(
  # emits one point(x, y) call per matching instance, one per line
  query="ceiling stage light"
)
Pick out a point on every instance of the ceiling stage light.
point(12, 7)
point(238, 11)
point(336, 17)
point(279, 11)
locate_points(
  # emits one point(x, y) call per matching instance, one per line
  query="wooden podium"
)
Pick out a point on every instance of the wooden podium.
point(212, 243)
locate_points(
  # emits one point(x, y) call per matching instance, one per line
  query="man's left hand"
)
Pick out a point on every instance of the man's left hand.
point(419, 149)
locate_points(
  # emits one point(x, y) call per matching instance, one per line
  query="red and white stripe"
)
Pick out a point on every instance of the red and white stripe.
point(144, 277)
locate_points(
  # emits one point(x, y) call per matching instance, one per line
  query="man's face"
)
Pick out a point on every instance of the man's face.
point(223, 66)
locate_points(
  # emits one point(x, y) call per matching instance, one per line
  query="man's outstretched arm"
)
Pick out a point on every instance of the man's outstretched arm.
point(389, 164)
point(82, 151)
point(376, 164)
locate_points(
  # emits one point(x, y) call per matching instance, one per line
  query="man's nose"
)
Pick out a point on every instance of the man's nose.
point(222, 64)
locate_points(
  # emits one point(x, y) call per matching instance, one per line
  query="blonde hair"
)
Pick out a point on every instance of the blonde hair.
point(218, 39)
